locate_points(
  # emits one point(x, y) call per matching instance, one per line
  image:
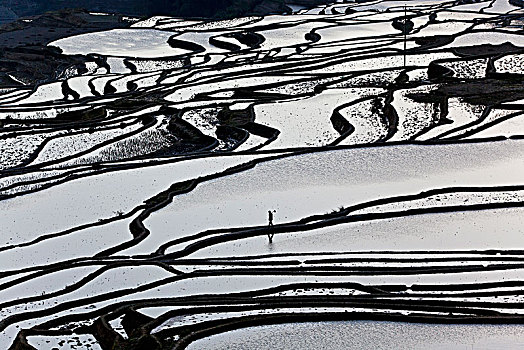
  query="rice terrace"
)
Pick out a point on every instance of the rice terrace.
point(343, 175)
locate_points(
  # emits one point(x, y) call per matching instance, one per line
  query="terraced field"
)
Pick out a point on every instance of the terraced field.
point(387, 142)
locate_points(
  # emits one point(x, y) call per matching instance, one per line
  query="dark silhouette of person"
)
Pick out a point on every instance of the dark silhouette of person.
point(270, 226)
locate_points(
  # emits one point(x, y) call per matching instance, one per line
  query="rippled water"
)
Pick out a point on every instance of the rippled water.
point(365, 335)
point(122, 189)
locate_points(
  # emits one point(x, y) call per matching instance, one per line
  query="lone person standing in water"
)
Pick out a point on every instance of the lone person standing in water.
point(270, 218)
point(270, 226)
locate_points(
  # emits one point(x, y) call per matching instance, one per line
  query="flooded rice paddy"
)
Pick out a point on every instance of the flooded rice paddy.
point(387, 142)
point(368, 336)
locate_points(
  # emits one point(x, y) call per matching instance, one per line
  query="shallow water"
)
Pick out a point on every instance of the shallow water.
point(364, 335)
point(319, 183)
point(301, 75)
point(120, 42)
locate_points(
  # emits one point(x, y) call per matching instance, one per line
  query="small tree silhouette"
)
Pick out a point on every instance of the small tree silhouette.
point(405, 25)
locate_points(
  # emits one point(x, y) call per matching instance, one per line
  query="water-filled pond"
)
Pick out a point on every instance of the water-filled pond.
point(367, 335)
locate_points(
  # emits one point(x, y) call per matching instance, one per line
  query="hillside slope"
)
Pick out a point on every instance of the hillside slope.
point(183, 8)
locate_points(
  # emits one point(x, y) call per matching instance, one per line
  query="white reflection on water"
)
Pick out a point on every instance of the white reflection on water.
point(365, 335)
point(120, 42)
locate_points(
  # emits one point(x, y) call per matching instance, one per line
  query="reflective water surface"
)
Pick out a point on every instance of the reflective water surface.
point(370, 335)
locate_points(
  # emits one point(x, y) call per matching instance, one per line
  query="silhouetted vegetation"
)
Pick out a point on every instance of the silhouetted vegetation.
point(203, 8)
point(183, 8)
